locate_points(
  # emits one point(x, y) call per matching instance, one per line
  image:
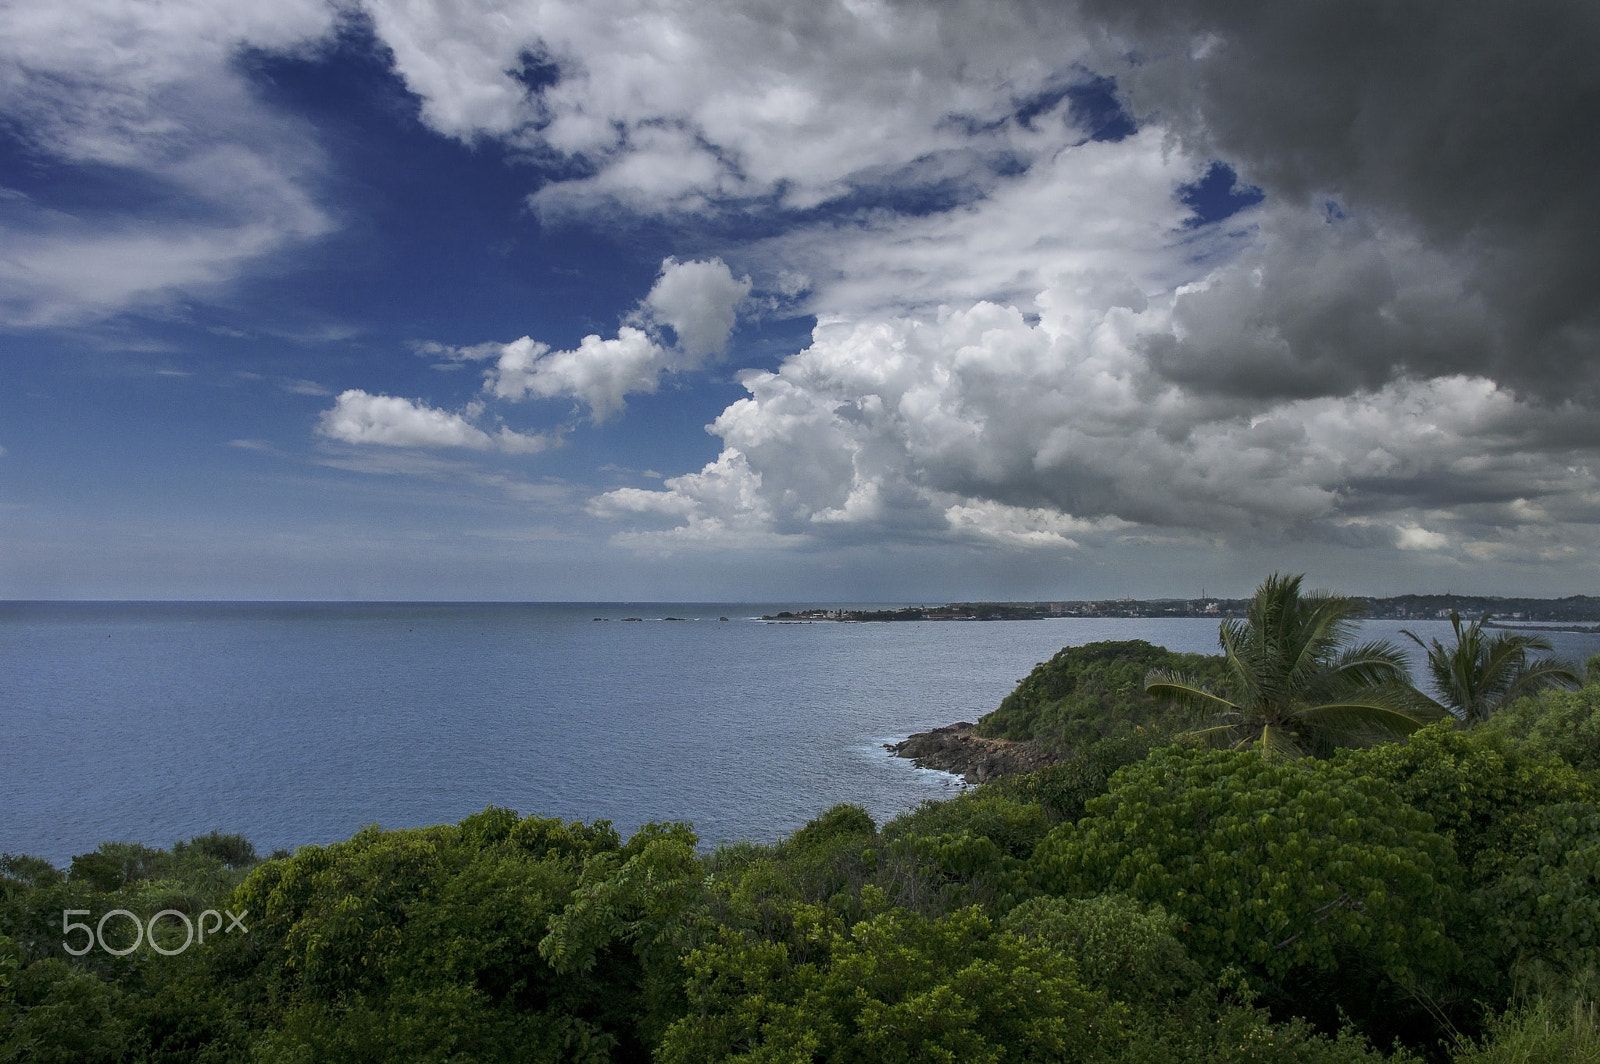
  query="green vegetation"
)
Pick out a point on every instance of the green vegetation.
point(1435, 898)
point(1295, 683)
point(1479, 674)
point(1096, 692)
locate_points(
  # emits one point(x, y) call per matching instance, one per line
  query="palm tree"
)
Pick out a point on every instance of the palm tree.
point(1296, 682)
point(1480, 674)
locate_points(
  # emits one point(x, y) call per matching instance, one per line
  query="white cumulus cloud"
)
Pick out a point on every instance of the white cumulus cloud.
point(1022, 338)
point(1023, 526)
point(390, 421)
point(720, 506)
point(1415, 537)
point(598, 372)
point(698, 300)
point(1049, 433)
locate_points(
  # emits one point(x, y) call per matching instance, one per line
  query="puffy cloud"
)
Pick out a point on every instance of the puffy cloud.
point(389, 421)
point(720, 506)
point(1429, 217)
point(982, 424)
point(1415, 537)
point(1023, 337)
point(1103, 209)
point(151, 90)
point(598, 372)
point(1023, 527)
point(700, 301)
point(1319, 307)
point(1468, 130)
point(690, 105)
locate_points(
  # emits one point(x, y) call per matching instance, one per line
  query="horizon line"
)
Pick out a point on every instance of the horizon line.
point(838, 603)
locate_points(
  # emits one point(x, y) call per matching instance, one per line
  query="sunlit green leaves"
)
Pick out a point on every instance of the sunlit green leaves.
point(893, 988)
point(1273, 864)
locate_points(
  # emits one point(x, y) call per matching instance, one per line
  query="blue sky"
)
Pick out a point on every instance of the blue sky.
point(849, 301)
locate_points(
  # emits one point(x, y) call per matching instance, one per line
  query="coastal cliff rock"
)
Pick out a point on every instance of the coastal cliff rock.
point(957, 748)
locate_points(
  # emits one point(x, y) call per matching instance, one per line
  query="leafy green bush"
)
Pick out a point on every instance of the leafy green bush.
point(1122, 947)
point(1063, 790)
point(892, 988)
point(496, 939)
point(1015, 827)
point(1564, 724)
point(830, 858)
point(1089, 692)
point(1274, 865)
point(59, 1013)
point(1482, 791)
point(1231, 1033)
point(843, 821)
point(234, 851)
point(971, 849)
point(1545, 911)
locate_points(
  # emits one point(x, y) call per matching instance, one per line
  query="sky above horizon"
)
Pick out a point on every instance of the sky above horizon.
point(849, 300)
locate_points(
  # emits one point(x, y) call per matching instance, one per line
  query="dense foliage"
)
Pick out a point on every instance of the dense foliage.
point(1096, 691)
point(1480, 672)
point(1141, 902)
point(1297, 682)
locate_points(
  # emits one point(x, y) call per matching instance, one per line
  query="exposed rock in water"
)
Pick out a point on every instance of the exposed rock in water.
point(957, 748)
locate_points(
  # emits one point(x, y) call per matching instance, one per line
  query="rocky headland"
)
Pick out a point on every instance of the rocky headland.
point(958, 748)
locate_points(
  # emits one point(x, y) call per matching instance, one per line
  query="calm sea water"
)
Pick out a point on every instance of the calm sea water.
point(299, 724)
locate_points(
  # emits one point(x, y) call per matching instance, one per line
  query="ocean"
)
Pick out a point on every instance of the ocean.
point(300, 723)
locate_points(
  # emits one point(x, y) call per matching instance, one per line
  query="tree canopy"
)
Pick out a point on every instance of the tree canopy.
point(1480, 673)
point(1296, 680)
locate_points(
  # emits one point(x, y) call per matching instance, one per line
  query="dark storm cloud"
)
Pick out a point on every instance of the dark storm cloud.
point(1434, 489)
point(1470, 128)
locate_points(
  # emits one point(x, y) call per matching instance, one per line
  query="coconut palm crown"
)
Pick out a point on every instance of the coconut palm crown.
point(1482, 673)
point(1297, 682)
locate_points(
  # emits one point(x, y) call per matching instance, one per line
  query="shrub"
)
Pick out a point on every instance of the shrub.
point(892, 988)
point(1089, 692)
point(1277, 865)
point(1545, 911)
point(1125, 948)
point(1482, 791)
point(1564, 724)
point(1063, 790)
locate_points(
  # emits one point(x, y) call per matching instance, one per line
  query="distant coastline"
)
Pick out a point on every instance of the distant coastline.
point(1572, 610)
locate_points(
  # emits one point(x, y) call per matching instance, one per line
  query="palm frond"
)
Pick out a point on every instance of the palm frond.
point(1328, 622)
point(1297, 683)
point(1378, 663)
point(1392, 710)
point(1279, 742)
point(1185, 690)
point(1481, 673)
point(1246, 662)
point(1213, 735)
point(1542, 674)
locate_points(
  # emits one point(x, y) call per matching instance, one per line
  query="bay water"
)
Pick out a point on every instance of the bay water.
point(298, 723)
